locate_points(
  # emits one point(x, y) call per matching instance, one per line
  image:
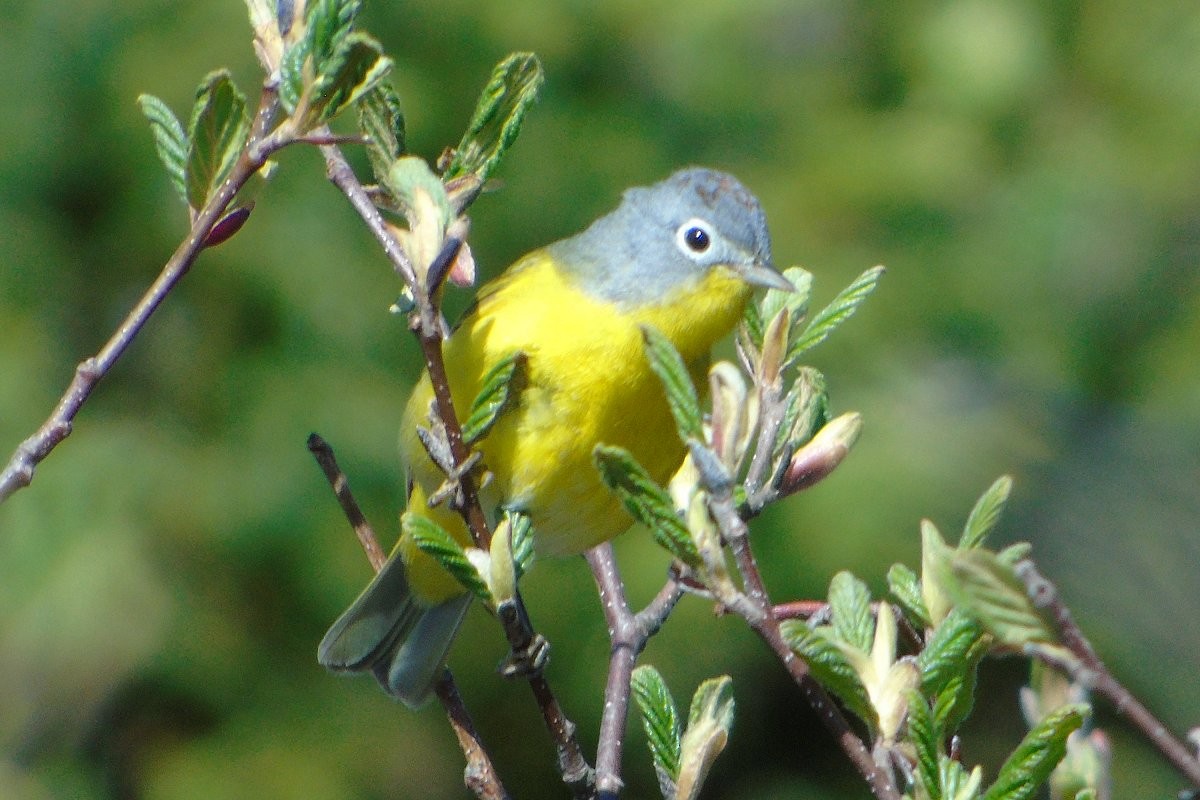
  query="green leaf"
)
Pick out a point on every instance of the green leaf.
point(357, 66)
point(850, 604)
point(752, 320)
point(709, 722)
point(1037, 755)
point(380, 119)
point(837, 312)
point(926, 740)
point(522, 540)
point(501, 390)
point(660, 719)
point(807, 410)
point(985, 513)
point(949, 663)
point(169, 140)
point(292, 78)
point(992, 593)
point(957, 783)
point(216, 135)
point(1018, 551)
point(646, 501)
point(498, 116)
point(935, 556)
point(681, 392)
point(433, 540)
point(795, 302)
point(945, 655)
point(824, 655)
point(906, 589)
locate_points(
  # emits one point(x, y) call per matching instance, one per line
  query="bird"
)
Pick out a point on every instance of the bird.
point(683, 256)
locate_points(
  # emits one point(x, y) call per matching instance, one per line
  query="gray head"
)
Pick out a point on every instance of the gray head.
point(665, 237)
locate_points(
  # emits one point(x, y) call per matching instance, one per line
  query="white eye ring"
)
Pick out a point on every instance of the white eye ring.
point(694, 238)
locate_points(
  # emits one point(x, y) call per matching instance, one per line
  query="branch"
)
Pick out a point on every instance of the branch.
point(19, 471)
point(480, 775)
point(628, 634)
point(1088, 670)
point(426, 323)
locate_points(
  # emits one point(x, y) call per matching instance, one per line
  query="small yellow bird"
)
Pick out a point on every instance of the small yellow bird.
point(682, 256)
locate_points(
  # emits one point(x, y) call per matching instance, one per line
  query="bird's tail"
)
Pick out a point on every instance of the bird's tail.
point(390, 632)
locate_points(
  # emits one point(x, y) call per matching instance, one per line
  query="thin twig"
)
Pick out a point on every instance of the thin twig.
point(341, 489)
point(1091, 671)
point(480, 775)
point(628, 634)
point(259, 146)
point(427, 324)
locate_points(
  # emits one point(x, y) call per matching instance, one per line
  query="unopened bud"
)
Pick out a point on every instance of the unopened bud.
point(734, 413)
point(822, 454)
point(774, 348)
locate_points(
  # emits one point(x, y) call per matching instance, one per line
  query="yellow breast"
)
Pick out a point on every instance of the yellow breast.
point(588, 382)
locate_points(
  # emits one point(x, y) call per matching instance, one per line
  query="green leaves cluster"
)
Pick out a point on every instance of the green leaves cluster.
point(682, 756)
point(967, 602)
point(329, 66)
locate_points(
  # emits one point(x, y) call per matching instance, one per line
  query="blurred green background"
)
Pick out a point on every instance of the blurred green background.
point(1029, 172)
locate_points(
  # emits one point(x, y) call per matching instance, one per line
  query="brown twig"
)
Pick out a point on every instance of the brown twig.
point(323, 453)
point(1089, 670)
point(628, 634)
point(260, 145)
point(480, 775)
point(428, 326)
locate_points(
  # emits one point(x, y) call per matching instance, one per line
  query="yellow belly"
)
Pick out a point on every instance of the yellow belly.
point(588, 382)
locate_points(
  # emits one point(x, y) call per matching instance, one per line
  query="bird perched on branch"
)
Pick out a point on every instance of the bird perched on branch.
point(682, 256)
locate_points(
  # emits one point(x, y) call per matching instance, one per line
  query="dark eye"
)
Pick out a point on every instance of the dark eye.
point(697, 239)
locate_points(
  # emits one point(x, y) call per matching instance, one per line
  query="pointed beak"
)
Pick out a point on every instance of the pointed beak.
point(761, 272)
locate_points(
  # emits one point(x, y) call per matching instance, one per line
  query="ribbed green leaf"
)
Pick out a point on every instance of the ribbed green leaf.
point(522, 541)
point(1038, 754)
point(985, 513)
point(353, 69)
point(824, 656)
point(217, 133)
point(795, 302)
point(292, 77)
point(837, 312)
point(681, 393)
point(906, 589)
point(850, 604)
point(752, 320)
point(945, 655)
point(169, 140)
point(433, 540)
point(660, 719)
point(926, 740)
point(949, 663)
point(993, 594)
point(381, 120)
point(646, 501)
point(498, 116)
point(501, 390)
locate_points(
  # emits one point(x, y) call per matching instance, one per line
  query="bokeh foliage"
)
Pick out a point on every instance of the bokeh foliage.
point(1029, 172)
